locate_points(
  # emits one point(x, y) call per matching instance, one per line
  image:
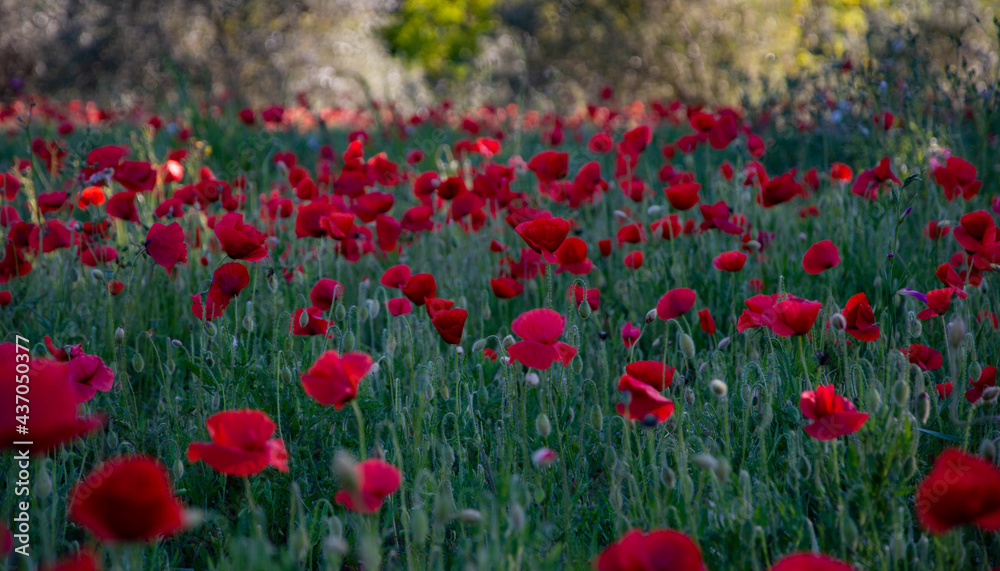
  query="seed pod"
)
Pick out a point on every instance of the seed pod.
point(687, 345)
point(138, 363)
point(542, 425)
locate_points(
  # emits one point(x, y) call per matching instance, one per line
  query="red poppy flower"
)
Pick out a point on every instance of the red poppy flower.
point(810, 562)
point(333, 379)
point(374, 481)
point(136, 176)
point(633, 260)
point(947, 275)
point(398, 306)
point(5, 298)
point(794, 316)
point(833, 416)
point(9, 185)
point(779, 190)
point(938, 302)
point(539, 330)
point(705, 321)
point(654, 373)
point(54, 418)
point(227, 282)
point(506, 288)
point(669, 227)
point(396, 276)
point(731, 261)
point(957, 178)
point(987, 378)
point(989, 317)
point(630, 334)
point(841, 173)
point(943, 389)
point(89, 374)
point(92, 195)
point(240, 241)
point(241, 444)
point(820, 257)
point(81, 561)
point(961, 489)
point(605, 247)
point(122, 206)
point(166, 245)
point(600, 143)
point(325, 292)
point(544, 235)
point(204, 308)
point(645, 403)
point(419, 287)
point(549, 166)
point(449, 324)
point(683, 196)
point(658, 550)
point(675, 303)
point(925, 357)
point(315, 324)
point(978, 235)
point(127, 499)
point(860, 318)
point(635, 141)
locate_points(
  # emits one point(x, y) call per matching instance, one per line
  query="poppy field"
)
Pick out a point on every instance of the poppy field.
point(633, 335)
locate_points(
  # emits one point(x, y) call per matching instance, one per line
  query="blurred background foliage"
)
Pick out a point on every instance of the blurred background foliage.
point(344, 51)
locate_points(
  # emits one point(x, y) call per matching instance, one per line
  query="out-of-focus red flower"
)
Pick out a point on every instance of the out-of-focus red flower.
point(539, 330)
point(938, 302)
point(860, 318)
point(794, 316)
point(450, 323)
point(166, 245)
point(923, 356)
point(645, 403)
point(127, 499)
point(705, 321)
point(630, 334)
point(633, 260)
point(820, 257)
point(810, 562)
point(654, 373)
point(987, 378)
point(961, 489)
point(675, 303)
point(325, 293)
point(683, 196)
point(373, 481)
point(731, 261)
point(419, 287)
point(240, 241)
point(658, 550)
point(241, 444)
point(544, 235)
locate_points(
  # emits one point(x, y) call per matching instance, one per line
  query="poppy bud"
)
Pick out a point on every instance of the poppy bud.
point(722, 470)
point(390, 345)
point(849, 531)
point(603, 335)
point(478, 346)
point(668, 478)
point(304, 319)
point(596, 418)
point(802, 236)
point(216, 400)
point(689, 396)
point(447, 456)
point(483, 395)
point(445, 392)
point(209, 359)
point(838, 322)
point(508, 341)
point(723, 343)
point(542, 425)
point(577, 364)
point(923, 407)
point(248, 323)
point(873, 400)
point(897, 544)
point(444, 503)
point(616, 498)
point(486, 312)
point(975, 370)
point(956, 332)
point(766, 415)
point(171, 366)
point(363, 313)
point(719, 388)
point(517, 517)
point(610, 457)
point(419, 525)
point(286, 375)
point(97, 275)
point(138, 363)
point(531, 379)
point(344, 469)
point(340, 313)
point(687, 345)
point(348, 340)
point(901, 392)
point(990, 395)
point(988, 450)
point(916, 328)
point(210, 329)
point(469, 516)
point(373, 308)
point(178, 469)
point(73, 275)
point(112, 439)
point(910, 468)
point(43, 483)
point(753, 246)
point(654, 210)
point(119, 336)
point(705, 461)
point(335, 547)
point(585, 310)
point(272, 281)
point(650, 316)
